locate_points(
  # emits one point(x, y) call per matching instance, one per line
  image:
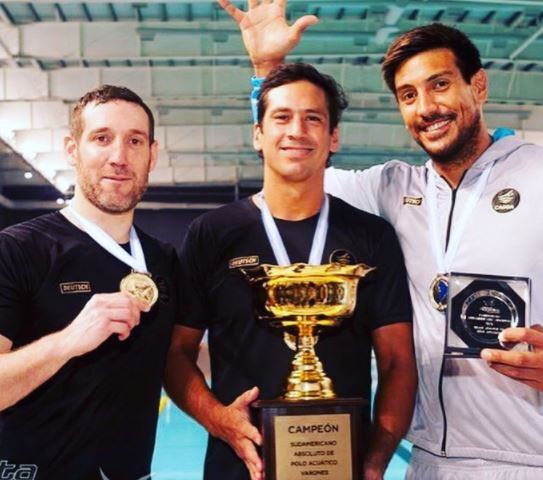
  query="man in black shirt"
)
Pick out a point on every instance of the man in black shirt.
point(81, 363)
point(296, 133)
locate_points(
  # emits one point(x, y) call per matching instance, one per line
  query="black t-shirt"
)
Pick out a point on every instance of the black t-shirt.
point(100, 410)
point(246, 352)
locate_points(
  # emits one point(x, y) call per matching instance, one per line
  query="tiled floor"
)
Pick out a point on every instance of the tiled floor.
point(181, 442)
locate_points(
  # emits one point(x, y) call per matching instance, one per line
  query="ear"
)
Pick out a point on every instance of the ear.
point(153, 155)
point(479, 84)
point(70, 149)
point(334, 140)
point(257, 135)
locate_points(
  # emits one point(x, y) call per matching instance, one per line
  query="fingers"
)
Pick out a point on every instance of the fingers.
point(518, 373)
point(242, 403)
point(529, 376)
point(234, 12)
point(532, 336)
point(253, 462)
point(524, 367)
point(252, 433)
point(514, 359)
point(246, 398)
point(120, 328)
point(303, 23)
point(119, 312)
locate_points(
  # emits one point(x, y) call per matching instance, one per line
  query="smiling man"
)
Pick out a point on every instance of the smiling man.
point(470, 208)
point(296, 133)
point(81, 363)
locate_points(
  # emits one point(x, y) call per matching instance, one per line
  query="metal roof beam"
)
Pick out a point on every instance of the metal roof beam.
point(34, 12)
point(60, 12)
point(112, 12)
point(6, 15)
point(526, 43)
point(86, 11)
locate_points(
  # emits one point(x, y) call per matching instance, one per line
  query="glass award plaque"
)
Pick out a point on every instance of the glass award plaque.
point(479, 307)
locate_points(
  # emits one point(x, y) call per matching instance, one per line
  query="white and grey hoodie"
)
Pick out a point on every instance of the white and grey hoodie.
point(464, 409)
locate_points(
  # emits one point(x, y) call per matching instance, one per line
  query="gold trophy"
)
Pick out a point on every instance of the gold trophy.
point(305, 299)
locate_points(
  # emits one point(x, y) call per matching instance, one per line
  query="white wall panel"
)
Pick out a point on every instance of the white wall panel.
point(26, 83)
point(15, 115)
point(50, 114)
point(108, 40)
point(34, 141)
point(51, 40)
point(136, 79)
point(186, 139)
point(72, 83)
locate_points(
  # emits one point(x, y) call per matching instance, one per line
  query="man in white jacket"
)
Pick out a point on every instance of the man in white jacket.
point(474, 419)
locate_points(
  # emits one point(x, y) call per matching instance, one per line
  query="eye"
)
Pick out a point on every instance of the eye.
point(280, 117)
point(407, 96)
point(136, 141)
point(441, 84)
point(102, 138)
point(314, 118)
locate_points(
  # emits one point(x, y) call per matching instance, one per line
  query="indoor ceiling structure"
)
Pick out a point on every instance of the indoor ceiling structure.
point(186, 59)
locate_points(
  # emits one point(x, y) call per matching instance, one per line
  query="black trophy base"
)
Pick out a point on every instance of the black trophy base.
point(317, 439)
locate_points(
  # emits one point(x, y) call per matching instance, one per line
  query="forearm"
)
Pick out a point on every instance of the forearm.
point(25, 369)
point(187, 387)
point(394, 403)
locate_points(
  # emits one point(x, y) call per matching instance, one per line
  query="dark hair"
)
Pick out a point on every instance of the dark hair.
point(430, 37)
point(294, 72)
point(105, 94)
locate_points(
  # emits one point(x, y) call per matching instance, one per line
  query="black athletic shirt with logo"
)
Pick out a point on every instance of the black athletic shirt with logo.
point(245, 352)
point(100, 410)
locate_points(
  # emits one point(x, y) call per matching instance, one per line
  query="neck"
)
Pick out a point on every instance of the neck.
point(293, 201)
point(117, 226)
point(454, 169)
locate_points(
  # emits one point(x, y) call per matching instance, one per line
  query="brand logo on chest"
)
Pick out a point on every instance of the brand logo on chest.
point(75, 287)
point(412, 201)
point(250, 261)
point(342, 256)
point(506, 200)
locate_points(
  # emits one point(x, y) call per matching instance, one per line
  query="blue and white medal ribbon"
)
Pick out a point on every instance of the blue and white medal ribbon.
point(136, 261)
point(439, 288)
point(138, 283)
point(276, 242)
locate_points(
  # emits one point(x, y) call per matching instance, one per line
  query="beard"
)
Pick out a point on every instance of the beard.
point(111, 201)
point(460, 149)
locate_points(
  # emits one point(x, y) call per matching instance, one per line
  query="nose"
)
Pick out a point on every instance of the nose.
point(426, 105)
point(118, 154)
point(296, 127)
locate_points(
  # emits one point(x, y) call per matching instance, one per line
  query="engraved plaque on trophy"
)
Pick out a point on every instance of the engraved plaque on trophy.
point(309, 433)
point(480, 307)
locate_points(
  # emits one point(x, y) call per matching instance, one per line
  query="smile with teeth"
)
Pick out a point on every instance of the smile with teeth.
point(297, 149)
point(437, 125)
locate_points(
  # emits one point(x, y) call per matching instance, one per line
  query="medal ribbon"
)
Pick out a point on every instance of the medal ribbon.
point(136, 261)
point(444, 258)
point(276, 242)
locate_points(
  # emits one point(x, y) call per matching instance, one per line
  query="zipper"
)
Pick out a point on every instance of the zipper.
point(440, 384)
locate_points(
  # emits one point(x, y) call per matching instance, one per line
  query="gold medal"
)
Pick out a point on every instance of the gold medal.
point(141, 286)
point(439, 292)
